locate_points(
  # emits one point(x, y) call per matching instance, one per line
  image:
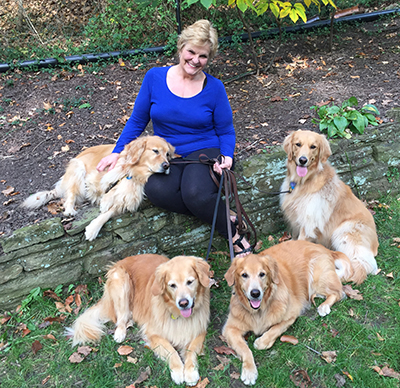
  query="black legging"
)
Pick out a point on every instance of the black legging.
point(189, 189)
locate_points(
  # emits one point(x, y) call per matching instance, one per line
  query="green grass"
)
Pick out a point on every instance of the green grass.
point(363, 333)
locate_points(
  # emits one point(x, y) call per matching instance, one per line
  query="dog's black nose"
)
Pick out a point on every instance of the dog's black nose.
point(183, 303)
point(165, 166)
point(255, 294)
point(302, 160)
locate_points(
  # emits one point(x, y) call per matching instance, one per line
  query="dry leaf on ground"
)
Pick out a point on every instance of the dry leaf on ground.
point(36, 346)
point(289, 339)
point(329, 356)
point(143, 376)
point(75, 358)
point(300, 378)
point(224, 350)
point(124, 350)
point(202, 383)
point(84, 350)
point(352, 294)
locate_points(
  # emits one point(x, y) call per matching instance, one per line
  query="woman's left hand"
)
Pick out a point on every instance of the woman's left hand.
point(225, 163)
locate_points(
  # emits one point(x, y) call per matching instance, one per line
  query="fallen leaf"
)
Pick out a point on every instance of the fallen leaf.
point(36, 346)
point(69, 300)
point(300, 378)
point(45, 380)
point(117, 365)
point(390, 275)
point(51, 294)
point(276, 98)
point(329, 356)
point(25, 332)
point(54, 208)
point(50, 337)
point(124, 350)
point(75, 358)
point(202, 383)
point(47, 105)
point(132, 360)
point(352, 294)
point(389, 372)
point(7, 192)
point(348, 375)
point(286, 236)
point(4, 319)
point(219, 367)
point(143, 376)
point(223, 360)
point(380, 338)
point(340, 380)
point(289, 339)
point(84, 350)
point(224, 350)
point(65, 148)
point(235, 375)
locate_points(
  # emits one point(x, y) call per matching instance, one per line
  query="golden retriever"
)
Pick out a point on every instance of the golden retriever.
point(168, 299)
point(321, 208)
point(272, 288)
point(116, 191)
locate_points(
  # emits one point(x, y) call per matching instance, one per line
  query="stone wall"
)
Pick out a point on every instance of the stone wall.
point(50, 253)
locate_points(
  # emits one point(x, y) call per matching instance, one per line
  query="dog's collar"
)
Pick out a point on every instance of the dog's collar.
point(292, 186)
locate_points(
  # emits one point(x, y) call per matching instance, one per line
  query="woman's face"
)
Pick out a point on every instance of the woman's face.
point(193, 59)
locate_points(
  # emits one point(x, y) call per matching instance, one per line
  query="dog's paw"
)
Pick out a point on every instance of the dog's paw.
point(177, 375)
point(263, 343)
point(69, 211)
point(91, 232)
point(119, 334)
point(324, 309)
point(249, 375)
point(191, 376)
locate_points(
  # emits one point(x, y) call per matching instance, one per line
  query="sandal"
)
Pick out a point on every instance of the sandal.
point(236, 222)
point(239, 244)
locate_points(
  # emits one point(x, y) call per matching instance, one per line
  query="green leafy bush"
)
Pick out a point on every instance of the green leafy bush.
point(341, 121)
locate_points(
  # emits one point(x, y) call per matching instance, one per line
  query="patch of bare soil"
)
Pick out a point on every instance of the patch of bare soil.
point(46, 118)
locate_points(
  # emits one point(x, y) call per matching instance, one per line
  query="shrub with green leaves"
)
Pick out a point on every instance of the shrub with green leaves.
point(341, 121)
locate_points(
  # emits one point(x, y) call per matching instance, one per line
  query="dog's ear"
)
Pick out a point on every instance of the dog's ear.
point(272, 267)
point(287, 146)
point(171, 150)
point(325, 149)
point(202, 269)
point(134, 150)
point(158, 286)
point(230, 274)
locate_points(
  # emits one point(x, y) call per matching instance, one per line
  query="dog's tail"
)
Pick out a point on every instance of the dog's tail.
point(37, 200)
point(89, 327)
point(343, 266)
point(115, 305)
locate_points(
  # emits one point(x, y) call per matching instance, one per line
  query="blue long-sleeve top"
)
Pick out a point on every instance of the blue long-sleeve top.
point(189, 124)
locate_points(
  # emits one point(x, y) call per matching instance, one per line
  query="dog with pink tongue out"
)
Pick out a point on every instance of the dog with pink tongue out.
point(320, 208)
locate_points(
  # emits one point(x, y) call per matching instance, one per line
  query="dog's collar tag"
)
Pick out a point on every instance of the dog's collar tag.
point(292, 186)
point(172, 316)
point(128, 177)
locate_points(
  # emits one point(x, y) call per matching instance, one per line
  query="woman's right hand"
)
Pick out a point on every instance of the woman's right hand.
point(108, 161)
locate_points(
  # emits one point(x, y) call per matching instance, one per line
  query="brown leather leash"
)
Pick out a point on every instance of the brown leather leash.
point(229, 185)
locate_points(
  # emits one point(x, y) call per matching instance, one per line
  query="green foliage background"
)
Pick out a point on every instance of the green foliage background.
point(56, 29)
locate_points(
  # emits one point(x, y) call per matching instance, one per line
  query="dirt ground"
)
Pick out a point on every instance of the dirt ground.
point(48, 117)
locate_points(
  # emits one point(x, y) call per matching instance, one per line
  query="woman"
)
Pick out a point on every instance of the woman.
point(190, 109)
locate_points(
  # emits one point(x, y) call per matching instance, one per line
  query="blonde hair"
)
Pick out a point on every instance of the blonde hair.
point(200, 33)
